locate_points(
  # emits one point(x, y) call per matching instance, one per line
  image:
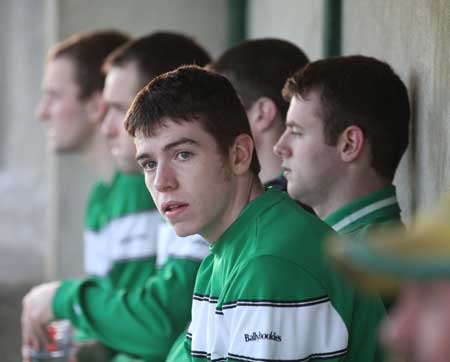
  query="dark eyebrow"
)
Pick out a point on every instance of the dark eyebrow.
point(292, 124)
point(169, 146)
point(181, 141)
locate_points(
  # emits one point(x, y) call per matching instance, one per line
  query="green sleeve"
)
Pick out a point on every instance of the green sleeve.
point(144, 322)
point(131, 274)
point(178, 352)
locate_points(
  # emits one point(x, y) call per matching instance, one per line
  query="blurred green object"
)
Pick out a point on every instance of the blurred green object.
point(388, 258)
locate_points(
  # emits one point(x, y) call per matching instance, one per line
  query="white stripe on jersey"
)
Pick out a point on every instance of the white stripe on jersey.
point(126, 238)
point(265, 330)
point(364, 211)
point(170, 245)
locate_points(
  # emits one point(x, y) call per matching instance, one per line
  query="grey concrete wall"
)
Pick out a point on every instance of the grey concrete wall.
point(412, 36)
point(205, 20)
point(300, 21)
point(23, 165)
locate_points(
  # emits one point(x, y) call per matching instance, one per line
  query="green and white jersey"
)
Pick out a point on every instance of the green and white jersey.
point(266, 293)
point(376, 211)
point(121, 231)
point(142, 322)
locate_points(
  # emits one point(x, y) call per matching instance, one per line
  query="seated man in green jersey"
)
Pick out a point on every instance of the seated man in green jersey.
point(72, 107)
point(154, 312)
point(347, 129)
point(265, 291)
point(121, 221)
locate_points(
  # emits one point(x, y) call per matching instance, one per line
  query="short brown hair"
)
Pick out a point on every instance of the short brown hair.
point(158, 53)
point(259, 68)
point(361, 91)
point(191, 94)
point(88, 51)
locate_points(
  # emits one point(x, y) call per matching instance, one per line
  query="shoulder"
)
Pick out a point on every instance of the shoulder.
point(269, 276)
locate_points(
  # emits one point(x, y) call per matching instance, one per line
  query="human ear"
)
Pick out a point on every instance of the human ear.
point(241, 154)
point(262, 114)
point(351, 143)
point(96, 107)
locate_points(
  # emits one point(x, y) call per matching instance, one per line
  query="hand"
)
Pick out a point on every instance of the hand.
point(37, 313)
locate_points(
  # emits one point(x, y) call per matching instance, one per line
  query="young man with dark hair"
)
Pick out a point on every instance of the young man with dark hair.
point(347, 129)
point(157, 308)
point(258, 69)
point(264, 292)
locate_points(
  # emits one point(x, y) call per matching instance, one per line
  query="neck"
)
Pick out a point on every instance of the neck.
point(247, 188)
point(97, 157)
point(349, 191)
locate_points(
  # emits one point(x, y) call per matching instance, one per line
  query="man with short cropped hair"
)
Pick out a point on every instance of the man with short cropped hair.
point(265, 291)
point(258, 69)
point(347, 129)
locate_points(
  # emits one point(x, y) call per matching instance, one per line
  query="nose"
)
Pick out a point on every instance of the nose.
point(109, 127)
point(281, 148)
point(165, 178)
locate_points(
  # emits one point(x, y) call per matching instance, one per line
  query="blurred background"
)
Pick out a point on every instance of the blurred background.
point(42, 196)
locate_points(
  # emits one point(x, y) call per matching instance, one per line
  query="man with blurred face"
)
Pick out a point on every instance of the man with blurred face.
point(154, 308)
point(121, 85)
point(71, 121)
point(264, 292)
point(72, 105)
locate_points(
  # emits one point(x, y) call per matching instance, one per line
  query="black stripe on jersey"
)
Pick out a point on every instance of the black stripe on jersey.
point(189, 335)
point(205, 298)
point(276, 303)
point(323, 356)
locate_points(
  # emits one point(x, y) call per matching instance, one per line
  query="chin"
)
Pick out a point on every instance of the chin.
point(293, 193)
point(183, 231)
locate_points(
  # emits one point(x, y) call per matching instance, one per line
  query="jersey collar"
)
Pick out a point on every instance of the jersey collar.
point(364, 209)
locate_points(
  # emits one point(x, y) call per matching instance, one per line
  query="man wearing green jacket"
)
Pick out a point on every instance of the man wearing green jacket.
point(142, 321)
point(347, 129)
point(265, 291)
